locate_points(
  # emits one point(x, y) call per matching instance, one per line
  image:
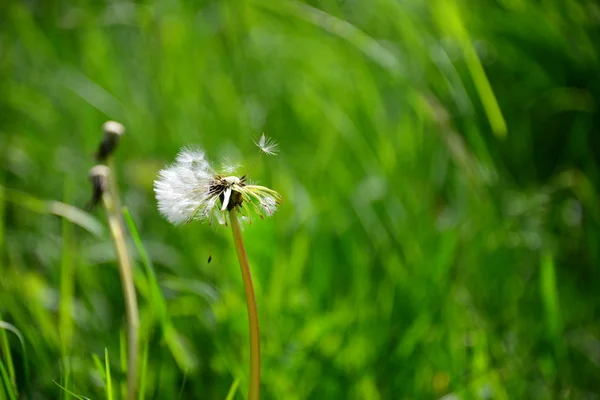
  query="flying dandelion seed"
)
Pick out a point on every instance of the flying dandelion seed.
point(267, 145)
point(190, 189)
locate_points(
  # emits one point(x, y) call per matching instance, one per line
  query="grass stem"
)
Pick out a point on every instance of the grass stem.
point(111, 201)
point(254, 387)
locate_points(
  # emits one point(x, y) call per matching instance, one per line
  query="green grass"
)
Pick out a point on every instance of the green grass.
point(439, 166)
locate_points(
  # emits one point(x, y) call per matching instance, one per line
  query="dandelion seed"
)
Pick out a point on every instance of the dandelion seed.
point(229, 167)
point(267, 145)
point(190, 189)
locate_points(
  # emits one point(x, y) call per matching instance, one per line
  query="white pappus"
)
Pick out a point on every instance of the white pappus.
point(190, 189)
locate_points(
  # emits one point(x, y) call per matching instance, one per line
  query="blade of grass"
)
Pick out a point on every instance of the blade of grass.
point(143, 372)
point(5, 326)
point(370, 47)
point(123, 361)
point(67, 281)
point(77, 396)
point(449, 18)
point(98, 364)
point(549, 295)
point(7, 357)
point(156, 298)
point(179, 349)
point(233, 389)
point(8, 386)
point(65, 375)
point(183, 381)
point(2, 213)
point(67, 211)
point(184, 358)
point(109, 391)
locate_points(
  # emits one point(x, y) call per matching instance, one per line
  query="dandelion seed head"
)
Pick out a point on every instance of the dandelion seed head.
point(267, 145)
point(181, 187)
point(189, 189)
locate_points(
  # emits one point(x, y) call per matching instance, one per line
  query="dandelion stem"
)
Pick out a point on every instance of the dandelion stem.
point(112, 203)
point(254, 388)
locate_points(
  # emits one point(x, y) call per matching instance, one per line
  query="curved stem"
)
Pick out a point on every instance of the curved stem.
point(254, 388)
point(111, 203)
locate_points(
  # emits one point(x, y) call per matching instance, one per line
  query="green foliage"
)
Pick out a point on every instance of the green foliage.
point(439, 166)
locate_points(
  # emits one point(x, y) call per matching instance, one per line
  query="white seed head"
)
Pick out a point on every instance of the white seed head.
point(190, 189)
point(181, 188)
point(267, 145)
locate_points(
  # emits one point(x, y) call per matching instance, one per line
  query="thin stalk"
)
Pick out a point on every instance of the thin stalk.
point(111, 202)
point(254, 388)
point(67, 284)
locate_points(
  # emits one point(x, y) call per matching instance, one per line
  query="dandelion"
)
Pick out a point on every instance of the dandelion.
point(190, 189)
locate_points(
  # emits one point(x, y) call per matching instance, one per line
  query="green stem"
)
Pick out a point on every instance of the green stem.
point(254, 388)
point(111, 203)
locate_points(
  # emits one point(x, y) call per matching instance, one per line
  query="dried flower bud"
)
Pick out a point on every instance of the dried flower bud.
point(99, 178)
point(112, 132)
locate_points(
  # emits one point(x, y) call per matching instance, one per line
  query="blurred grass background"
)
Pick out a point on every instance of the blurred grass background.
point(439, 162)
